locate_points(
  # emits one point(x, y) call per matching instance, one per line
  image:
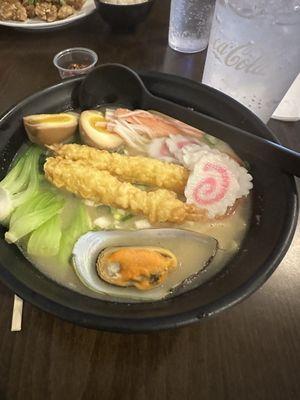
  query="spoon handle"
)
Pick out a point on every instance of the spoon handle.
point(242, 141)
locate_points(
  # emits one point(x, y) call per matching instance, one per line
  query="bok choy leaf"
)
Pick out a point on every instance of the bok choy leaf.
point(21, 182)
point(45, 240)
point(81, 223)
point(32, 214)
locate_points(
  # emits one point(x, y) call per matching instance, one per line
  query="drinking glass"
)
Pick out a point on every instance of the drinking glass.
point(254, 52)
point(190, 22)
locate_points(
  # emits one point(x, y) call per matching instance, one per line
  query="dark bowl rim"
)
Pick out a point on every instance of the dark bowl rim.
point(132, 325)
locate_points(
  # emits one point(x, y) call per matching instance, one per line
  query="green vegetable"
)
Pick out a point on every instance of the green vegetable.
point(120, 215)
point(246, 165)
point(32, 214)
point(141, 187)
point(81, 223)
point(45, 240)
point(121, 150)
point(21, 182)
point(127, 217)
point(210, 140)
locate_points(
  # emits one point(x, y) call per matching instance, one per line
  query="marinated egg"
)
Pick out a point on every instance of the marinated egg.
point(92, 128)
point(46, 129)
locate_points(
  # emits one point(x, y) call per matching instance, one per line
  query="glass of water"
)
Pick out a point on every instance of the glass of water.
point(254, 51)
point(190, 22)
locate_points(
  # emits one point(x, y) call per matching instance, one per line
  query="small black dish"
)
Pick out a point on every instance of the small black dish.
point(124, 18)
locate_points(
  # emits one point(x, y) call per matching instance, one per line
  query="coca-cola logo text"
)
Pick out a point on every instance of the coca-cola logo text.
point(245, 57)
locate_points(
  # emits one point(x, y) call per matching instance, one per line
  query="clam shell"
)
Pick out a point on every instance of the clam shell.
point(193, 251)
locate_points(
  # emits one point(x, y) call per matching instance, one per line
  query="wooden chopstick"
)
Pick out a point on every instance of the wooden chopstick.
point(16, 321)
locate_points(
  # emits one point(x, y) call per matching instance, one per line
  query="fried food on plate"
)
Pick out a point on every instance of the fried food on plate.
point(45, 10)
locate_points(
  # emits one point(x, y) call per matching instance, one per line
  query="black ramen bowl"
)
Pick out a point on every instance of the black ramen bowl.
point(270, 233)
point(124, 18)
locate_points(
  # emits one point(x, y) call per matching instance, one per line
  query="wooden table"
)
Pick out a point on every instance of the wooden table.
point(249, 352)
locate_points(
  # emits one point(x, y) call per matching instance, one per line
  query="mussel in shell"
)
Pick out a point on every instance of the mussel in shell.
point(155, 260)
point(142, 267)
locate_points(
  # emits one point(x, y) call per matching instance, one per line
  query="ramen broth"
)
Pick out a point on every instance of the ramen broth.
point(229, 231)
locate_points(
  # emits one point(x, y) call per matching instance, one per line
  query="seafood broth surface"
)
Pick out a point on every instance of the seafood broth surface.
point(229, 232)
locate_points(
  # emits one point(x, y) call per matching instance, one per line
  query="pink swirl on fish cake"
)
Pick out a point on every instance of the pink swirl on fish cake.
point(180, 145)
point(177, 143)
point(164, 150)
point(210, 190)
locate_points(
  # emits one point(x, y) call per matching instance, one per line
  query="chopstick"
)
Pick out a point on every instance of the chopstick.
point(16, 321)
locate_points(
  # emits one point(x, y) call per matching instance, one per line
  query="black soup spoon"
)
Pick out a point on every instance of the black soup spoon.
point(117, 85)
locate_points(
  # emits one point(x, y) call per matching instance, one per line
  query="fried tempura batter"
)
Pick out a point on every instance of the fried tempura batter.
point(101, 187)
point(134, 169)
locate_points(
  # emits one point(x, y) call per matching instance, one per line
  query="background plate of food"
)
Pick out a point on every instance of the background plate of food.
point(43, 15)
